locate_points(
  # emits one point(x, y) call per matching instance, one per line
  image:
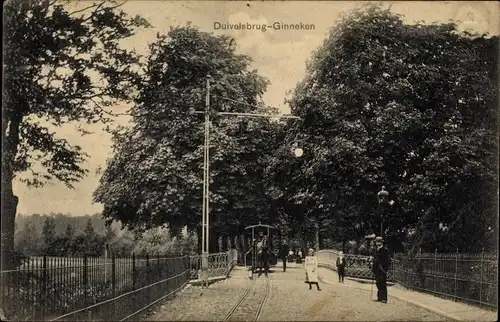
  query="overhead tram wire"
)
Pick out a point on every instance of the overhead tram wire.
point(221, 113)
point(242, 103)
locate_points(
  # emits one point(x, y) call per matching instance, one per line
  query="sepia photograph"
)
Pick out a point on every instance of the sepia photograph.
point(197, 160)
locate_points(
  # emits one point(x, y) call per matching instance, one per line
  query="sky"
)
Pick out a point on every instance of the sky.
point(279, 55)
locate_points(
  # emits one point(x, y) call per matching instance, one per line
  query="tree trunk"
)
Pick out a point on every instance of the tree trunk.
point(9, 209)
point(10, 145)
point(199, 239)
point(212, 242)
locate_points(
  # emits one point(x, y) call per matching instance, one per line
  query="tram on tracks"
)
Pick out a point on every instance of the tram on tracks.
point(262, 235)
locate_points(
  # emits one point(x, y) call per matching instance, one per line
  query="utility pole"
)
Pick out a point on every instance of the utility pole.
point(205, 231)
point(206, 189)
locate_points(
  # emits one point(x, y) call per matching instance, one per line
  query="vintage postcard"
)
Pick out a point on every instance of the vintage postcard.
point(250, 160)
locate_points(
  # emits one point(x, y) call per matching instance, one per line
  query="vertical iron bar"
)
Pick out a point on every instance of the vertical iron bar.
point(204, 187)
point(158, 267)
point(481, 280)
point(44, 284)
point(30, 291)
point(38, 289)
point(133, 271)
point(85, 279)
point(113, 283)
point(148, 277)
point(207, 198)
point(15, 291)
point(91, 274)
point(134, 305)
point(59, 278)
point(66, 281)
point(456, 271)
point(435, 269)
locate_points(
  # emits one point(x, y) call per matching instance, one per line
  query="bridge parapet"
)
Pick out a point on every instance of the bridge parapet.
point(219, 264)
point(357, 266)
point(77, 289)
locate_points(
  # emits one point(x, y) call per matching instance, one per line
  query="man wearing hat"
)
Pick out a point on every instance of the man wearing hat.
point(284, 253)
point(380, 267)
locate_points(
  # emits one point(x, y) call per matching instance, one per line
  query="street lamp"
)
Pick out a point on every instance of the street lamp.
point(298, 152)
point(383, 198)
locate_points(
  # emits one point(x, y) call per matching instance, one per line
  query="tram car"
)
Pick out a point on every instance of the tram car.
point(262, 235)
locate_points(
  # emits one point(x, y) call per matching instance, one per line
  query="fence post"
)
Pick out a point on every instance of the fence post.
point(133, 270)
point(456, 272)
point(148, 277)
point(481, 280)
point(44, 285)
point(158, 265)
point(134, 305)
point(85, 279)
point(435, 268)
point(113, 282)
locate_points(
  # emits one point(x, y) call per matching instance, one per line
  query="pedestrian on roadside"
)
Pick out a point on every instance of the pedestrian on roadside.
point(310, 266)
point(299, 257)
point(284, 253)
point(381, 264)
point(341, 262)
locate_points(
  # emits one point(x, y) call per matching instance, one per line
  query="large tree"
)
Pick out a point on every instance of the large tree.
point(155, 176)
point(411, 107)
point(60, 66)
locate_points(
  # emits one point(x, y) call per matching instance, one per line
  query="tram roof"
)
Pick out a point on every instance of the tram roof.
point(260, 225)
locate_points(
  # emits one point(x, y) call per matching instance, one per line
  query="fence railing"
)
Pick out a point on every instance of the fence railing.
point(219, 264)
point(72, 289)
point(471, 278)
point(357, 266)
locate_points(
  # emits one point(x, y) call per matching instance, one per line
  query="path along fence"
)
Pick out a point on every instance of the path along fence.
point(471, 278)
point(94, 289)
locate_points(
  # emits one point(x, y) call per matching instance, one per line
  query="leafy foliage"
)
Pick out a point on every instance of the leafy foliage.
point(60, 66)
point(155, 176)
point(88, 236)
point(411, 107)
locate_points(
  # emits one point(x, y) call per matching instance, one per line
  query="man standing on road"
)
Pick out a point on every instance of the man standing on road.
point(380, 267)
point(264, 261)
point(284, 253)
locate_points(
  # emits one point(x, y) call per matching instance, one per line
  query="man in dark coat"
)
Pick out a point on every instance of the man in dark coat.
point(380, 268)
point(341, 263)
point(284, 254)
point(264, 257)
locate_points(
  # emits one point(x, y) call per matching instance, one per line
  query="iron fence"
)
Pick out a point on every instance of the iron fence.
point(66, 288)
point(472, 278)
point(219, 264)
point(357, 266)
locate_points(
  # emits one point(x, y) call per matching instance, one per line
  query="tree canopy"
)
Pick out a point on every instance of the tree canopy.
point(60, 66)
point(155, 176)
point(411, 107)
point(384, 103)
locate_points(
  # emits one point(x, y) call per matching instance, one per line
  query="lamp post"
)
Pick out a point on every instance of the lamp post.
point(206, 170)
point(383, 198)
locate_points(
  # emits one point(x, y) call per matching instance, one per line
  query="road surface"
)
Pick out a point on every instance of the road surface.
point(282, 297)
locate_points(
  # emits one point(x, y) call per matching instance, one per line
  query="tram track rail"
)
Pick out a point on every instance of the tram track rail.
point(250, 305)
point(264, 298)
